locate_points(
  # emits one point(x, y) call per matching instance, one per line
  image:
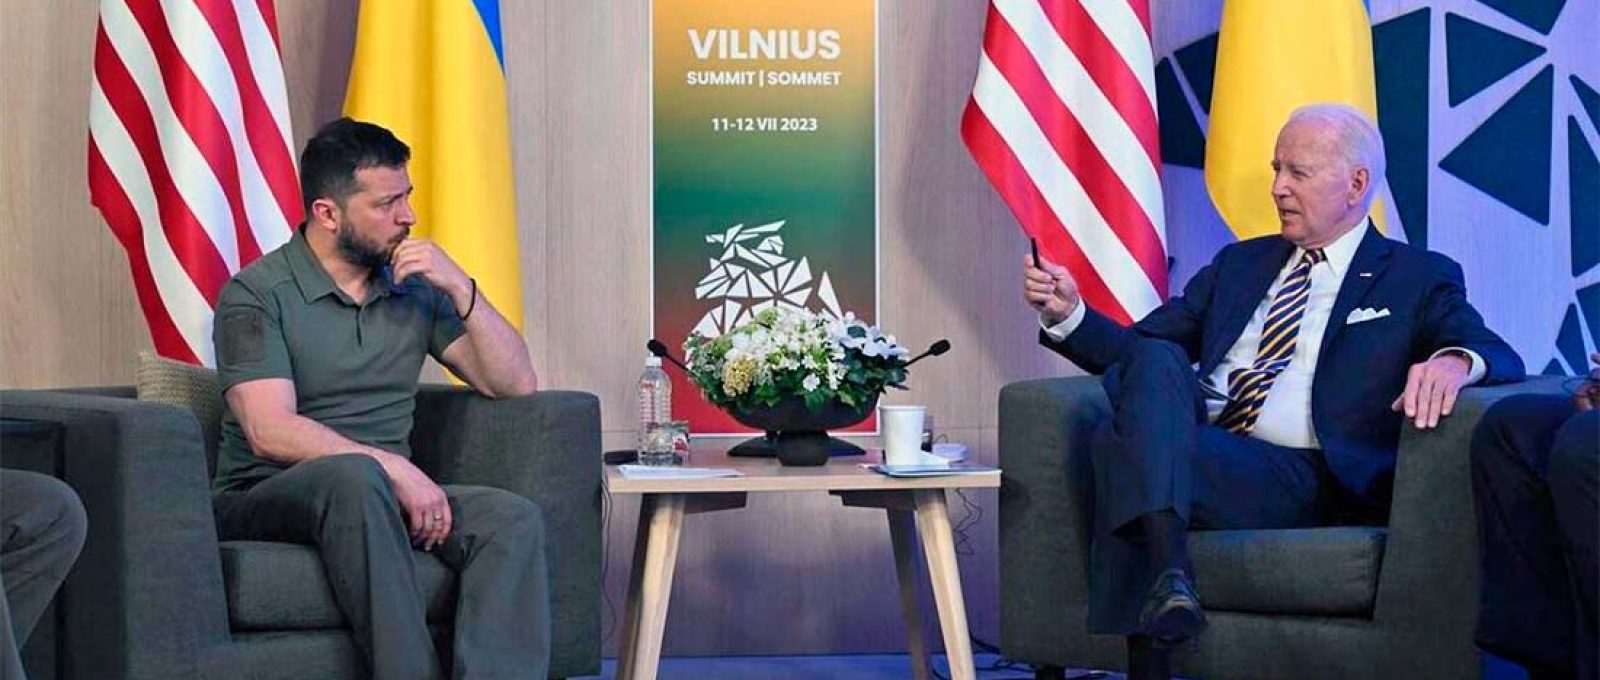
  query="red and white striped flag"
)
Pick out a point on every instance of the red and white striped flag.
point(1063, 121)
point(190, 156)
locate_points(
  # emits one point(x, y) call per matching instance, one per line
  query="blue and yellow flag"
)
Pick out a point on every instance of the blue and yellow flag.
point(1274, 56)
point(433, 71)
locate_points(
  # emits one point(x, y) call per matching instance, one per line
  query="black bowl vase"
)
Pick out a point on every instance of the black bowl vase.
point(797, 435)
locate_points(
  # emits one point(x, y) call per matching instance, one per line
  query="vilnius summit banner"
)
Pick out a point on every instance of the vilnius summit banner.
point(765, 160)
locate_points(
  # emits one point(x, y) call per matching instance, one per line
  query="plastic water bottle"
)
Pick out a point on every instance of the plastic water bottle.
point(655, 398)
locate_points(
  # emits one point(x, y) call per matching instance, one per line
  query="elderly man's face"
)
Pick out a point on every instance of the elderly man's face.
point(1318, 192)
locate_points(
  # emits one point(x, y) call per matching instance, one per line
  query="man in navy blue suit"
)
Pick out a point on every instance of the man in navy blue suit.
point(1536, 487)
point(1309, 344)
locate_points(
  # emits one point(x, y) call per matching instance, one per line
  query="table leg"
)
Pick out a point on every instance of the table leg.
point(901, 532)
point(938, 545)
point(655, 555)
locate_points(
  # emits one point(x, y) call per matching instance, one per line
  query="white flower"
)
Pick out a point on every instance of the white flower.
point(789, 345)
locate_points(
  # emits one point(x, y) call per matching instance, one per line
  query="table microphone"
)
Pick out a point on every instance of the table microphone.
point(934, 350)
point(659, 349)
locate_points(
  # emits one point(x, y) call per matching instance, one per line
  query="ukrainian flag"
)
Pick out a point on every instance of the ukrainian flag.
point(1274, 56)
point(433, 71)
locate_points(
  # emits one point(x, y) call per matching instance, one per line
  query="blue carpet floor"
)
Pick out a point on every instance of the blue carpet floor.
point(884, 667)
point(845, 667)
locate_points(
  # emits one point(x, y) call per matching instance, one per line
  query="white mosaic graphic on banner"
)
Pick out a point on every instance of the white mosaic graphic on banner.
point(753, 274)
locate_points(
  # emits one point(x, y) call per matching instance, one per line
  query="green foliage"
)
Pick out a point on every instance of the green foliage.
point(788, 352)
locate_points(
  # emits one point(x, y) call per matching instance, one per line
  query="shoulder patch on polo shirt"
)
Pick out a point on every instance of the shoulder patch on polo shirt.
point(243, 336)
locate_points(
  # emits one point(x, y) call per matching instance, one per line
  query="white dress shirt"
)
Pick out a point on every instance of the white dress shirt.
point(1285, 417)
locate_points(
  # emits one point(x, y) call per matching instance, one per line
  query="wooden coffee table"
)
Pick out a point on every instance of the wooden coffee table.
point(914, 506)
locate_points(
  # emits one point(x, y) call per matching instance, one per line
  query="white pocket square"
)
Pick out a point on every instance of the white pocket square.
point(1365, 314)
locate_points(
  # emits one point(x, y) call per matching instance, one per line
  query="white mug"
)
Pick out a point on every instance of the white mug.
point(902, 433)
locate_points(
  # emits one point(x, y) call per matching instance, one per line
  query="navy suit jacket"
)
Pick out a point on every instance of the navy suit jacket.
point(1361, 368)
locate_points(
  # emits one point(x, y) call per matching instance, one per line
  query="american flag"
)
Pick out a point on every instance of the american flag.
point(1062, 119)
point(189, 153)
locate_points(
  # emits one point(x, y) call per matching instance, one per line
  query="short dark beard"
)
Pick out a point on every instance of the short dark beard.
point(359, 252)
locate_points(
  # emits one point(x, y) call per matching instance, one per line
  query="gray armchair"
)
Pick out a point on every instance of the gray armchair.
point(1396, 601)
point(155, 595)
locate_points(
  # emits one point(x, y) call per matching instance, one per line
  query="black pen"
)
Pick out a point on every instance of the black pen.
point(1210, 391)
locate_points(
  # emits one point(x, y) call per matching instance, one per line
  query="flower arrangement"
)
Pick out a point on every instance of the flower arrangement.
point(786, 352)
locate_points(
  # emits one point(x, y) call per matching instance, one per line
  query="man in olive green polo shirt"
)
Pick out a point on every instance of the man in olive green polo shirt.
point(319, 346)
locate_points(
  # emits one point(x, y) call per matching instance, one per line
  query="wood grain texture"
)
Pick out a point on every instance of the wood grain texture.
point(796, 573)
point(902, 530)
point(939, 548)
point(655, 559)
point(660, 531)
point(578, 82)
point(68, 314)
point(765, 474)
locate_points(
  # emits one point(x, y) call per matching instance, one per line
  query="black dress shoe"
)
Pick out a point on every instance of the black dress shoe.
point(1148, 660)
point(1172, 615)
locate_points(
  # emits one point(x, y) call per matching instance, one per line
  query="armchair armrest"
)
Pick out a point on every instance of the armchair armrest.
point(1429, 582)
point(145, 598)
point(1046, 501)
point(544, 447)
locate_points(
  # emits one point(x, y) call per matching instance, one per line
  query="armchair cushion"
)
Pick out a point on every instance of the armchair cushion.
point(1328, 571)
point(282, 586)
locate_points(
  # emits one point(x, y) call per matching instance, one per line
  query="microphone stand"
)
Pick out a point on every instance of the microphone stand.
point(659, 349)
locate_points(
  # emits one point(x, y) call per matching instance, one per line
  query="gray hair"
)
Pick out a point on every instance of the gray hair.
point(1358, 137)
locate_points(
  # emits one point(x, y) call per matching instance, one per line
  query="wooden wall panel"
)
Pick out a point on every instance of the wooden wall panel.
point(579, 91)
point(68, 314)
point(951, 254)
point(596, 200)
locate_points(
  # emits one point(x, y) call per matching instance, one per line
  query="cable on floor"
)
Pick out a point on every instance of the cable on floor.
point(605, 559)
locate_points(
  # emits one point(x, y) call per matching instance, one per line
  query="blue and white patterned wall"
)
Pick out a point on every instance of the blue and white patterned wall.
point(1490, 111)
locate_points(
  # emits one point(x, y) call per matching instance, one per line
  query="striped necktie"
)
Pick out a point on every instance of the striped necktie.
point(1248, 386)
